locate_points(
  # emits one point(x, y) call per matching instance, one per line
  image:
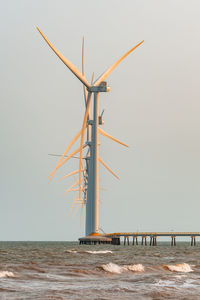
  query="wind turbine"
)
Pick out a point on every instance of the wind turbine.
point(90, 186)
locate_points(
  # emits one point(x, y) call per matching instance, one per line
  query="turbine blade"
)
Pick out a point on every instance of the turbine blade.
point(60, 155)
point(92, 80)
point(70, 174)
point(73, 69)
point(101, 131)
point(109, 70)
point(83, 72)
point(70, 188)
point(76, 201)
point(77, 189)
point(82, 135)
point(72, 206)
point(68, 148)
point(61, 163)
point(76, 210)
point(103, 163)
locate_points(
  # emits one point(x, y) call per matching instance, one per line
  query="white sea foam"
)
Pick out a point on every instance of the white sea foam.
point(114, 268)
point(163, 283)
point(71, 251)
point(4, 274)
point(185, 268)
point(190, 283)
point(99, 252)
point(90, 252)
point(136, 268)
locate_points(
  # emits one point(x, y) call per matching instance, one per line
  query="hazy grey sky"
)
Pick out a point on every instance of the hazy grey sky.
point(153, 106)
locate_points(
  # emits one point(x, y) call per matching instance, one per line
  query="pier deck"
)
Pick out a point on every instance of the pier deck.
point(152, 237)
point(115, 238)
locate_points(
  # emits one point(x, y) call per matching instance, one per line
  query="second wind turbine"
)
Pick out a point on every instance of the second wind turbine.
point(91, 188)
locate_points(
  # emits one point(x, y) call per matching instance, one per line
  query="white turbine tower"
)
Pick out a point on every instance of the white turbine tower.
point(89, 184)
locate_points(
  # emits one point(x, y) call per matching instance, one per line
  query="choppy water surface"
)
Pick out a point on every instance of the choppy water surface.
point(63, 270)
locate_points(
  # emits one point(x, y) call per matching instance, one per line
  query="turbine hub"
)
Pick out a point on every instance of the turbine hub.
point(103, 87)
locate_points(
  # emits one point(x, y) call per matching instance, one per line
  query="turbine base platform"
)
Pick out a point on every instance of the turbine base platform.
point(98, 239)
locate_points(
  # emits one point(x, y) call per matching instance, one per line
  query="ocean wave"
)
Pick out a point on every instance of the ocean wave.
point(98, 252)
point(89, 252)
point(7, 274)
point(116, 269)
point(71, 251)
point(185, 268)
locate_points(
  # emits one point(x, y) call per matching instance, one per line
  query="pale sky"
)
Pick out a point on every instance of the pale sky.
point(153, 106)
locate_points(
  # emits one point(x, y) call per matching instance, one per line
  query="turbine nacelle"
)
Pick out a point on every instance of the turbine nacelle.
point(91, 122)
point(102, 87)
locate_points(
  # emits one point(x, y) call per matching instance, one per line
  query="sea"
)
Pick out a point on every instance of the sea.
point(67, 270)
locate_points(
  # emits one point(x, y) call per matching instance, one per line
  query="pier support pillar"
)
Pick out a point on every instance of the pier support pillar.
point(173, 241)
point(142, 242)
point(136, 240)
point(193, 240)
point(154, 240)
point(145, 240)
point(133, 240)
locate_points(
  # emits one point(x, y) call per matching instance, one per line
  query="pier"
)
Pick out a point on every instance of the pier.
point(137, 238)
point(142, 238)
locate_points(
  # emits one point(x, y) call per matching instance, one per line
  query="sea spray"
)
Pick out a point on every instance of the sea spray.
point(71, 251)
point(4, 274)
point(116, 269)
point(90, 252)
point(185, 268)
point(99, 252)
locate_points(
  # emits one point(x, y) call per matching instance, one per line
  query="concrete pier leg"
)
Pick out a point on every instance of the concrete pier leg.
point(145, 241)
point(194, 240)
point(150, 243)
point(142, 242)
point(154, 241)
point(124, 240)
point(174, 241)
point(136, 240)
point(133, 240)
point(128, 239)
